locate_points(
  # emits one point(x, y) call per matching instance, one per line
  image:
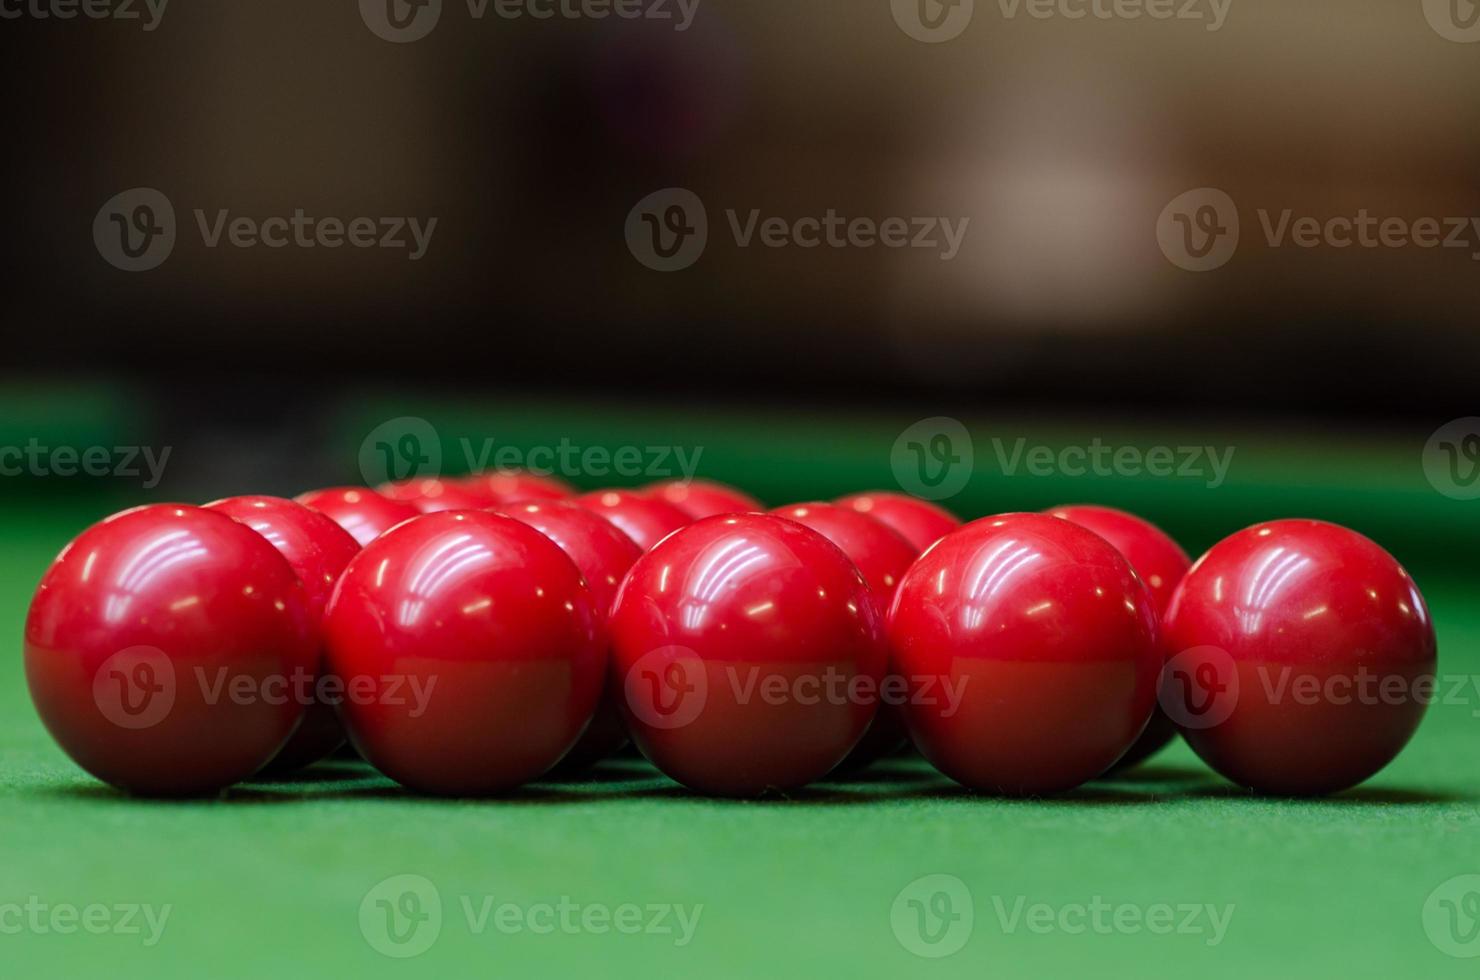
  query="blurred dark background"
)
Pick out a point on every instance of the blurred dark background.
point(533, 317)
point(530, 141)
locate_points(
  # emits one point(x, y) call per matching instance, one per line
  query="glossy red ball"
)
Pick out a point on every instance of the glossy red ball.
point(365, 514)
point(883, 556)
point(1161, 563)
point(1304, 661)
point(161, 650)
point(603, 554)
point(1031, 653)
point(749, 651)
point(476, 649)
point(920, 522)
point(646, 520)
point(318, 550)
point(513, 486)
point(430, 495)
point(705, 498)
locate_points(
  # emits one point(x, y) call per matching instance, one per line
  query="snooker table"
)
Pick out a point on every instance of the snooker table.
point(1166, 870)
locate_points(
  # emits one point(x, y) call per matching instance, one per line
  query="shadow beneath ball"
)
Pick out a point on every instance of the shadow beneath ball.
point(1356, 797)
point(623, 770)
point(101, 793)
point(816, 795)
point(331, 771)
point(532, 795)
point(1151, 773)
point(883, 774)
point(1089, 795)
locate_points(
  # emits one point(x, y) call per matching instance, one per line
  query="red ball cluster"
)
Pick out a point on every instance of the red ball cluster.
point(471, 636)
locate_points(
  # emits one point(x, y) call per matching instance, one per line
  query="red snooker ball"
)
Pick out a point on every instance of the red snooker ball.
point(1161, 563)
point(430, 495)
point(365, 514)
point(603, 554)
point(513, 486)
point(318, 550)
point(920, 522)
point(883, 556)
point(471, 651)
point(646, 520)
point(161, 650)
point(705, 498)
point(1031, 653)
point(1305, 657)
point(749, 651)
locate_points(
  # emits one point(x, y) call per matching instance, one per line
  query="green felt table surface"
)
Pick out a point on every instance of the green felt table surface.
point(271, 878)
